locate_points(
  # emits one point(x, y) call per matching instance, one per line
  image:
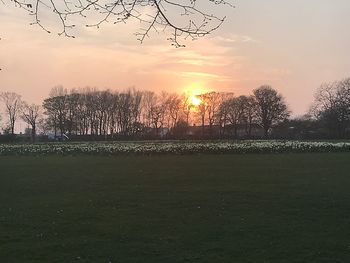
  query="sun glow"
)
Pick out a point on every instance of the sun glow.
point(195, 101)
point(193, 93)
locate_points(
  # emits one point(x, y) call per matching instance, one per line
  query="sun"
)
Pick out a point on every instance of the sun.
point(193, 92)
point(195, 101)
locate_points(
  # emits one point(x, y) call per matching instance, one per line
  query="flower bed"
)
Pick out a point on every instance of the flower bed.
point(149, 148)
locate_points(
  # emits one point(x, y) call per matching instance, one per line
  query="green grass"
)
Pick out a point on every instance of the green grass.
point(209, 208)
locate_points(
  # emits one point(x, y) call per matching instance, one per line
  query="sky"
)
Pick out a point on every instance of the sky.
point(294, 46)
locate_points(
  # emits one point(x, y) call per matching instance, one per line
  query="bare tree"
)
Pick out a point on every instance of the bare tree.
point(332, 106)
point(202, 110)
point(30, 114)
point(234, 110)
point(222, 114)
point(271, 108)
point(325, 98)
point(13, 105)
point(213, 101)
point(128, 111)
point(173, 103)
point(57, 109)
point(249, 113)
point(188, 18)
point(132, 112)
point(149, 101)
point(158, 112)
point(186, 106)
point(158, 117)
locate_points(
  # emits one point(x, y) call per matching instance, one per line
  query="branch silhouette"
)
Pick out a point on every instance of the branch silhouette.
point(180, 19)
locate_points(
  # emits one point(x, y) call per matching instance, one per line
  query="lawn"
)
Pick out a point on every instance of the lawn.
point(175, 208)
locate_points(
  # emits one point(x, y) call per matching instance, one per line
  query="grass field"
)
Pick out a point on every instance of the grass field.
point(198, 208)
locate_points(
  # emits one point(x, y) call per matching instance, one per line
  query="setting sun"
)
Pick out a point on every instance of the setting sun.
point(193, 91)
point(195, 101)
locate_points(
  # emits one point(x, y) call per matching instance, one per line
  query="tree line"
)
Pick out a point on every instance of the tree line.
point(90, 113)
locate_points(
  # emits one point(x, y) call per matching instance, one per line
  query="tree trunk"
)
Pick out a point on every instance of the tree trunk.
point(202, 127)
point(33, 133)
point(13, 126)
point(266, 132)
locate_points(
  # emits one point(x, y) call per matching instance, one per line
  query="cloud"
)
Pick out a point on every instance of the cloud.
point(112, 57)
point(198, 74)
point(232, 38)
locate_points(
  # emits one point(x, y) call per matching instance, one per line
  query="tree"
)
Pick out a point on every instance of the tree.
point(173, 103)
point(128, 111)
point(56, 109)
point(149, 101)
point(202, 110)
point(31, 114)
point(72, 103)
point(209, 110)
point(13, 105)
point(249, 113)
point(186, 106)
point(188, 18)
point(332, 106)
point(213, 101)
point(234, 109)
point(222, 115)
point(271, 108)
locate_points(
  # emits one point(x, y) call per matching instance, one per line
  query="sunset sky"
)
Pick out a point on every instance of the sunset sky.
point(292, 45)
